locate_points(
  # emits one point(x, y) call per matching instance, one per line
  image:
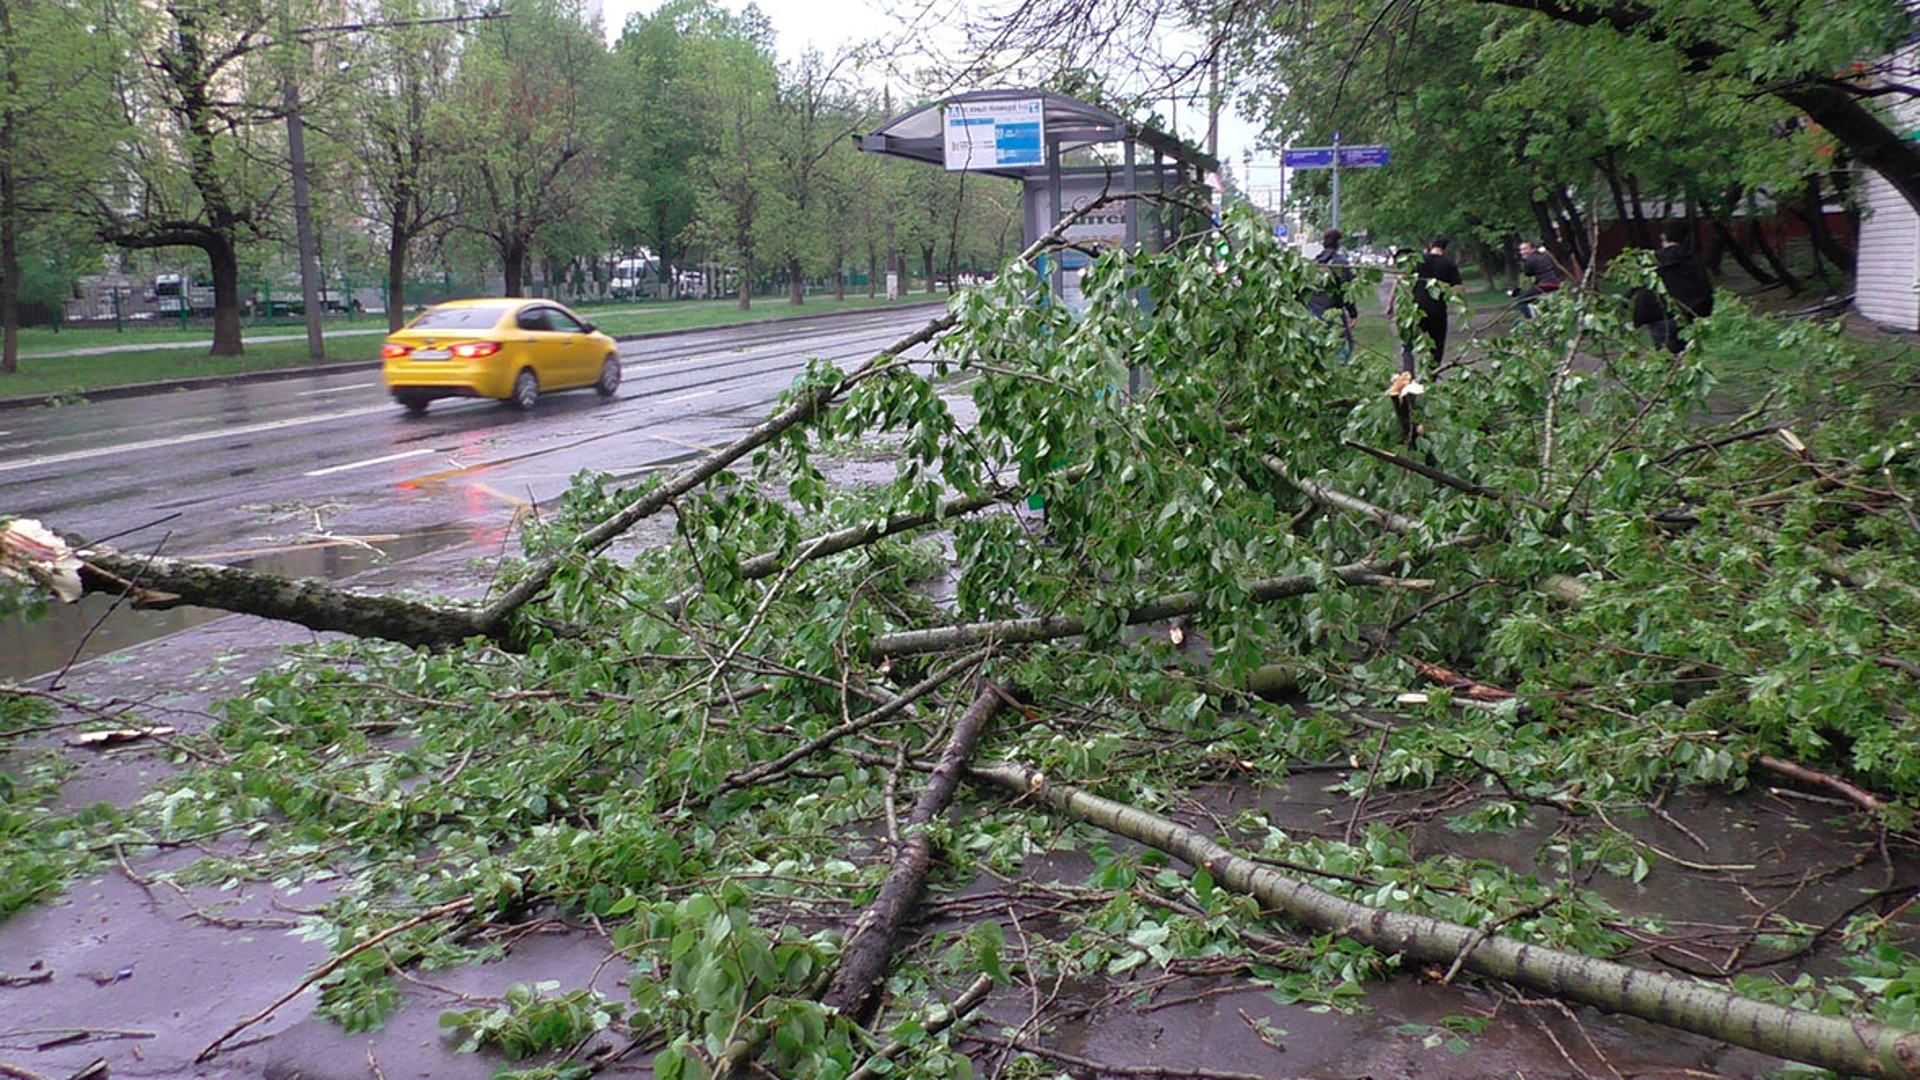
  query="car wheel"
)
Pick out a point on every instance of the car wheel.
point(526, 390)
point(609, 383)
point(415, 404)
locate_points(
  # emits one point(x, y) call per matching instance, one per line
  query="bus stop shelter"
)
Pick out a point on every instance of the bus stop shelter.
point(1023, 134)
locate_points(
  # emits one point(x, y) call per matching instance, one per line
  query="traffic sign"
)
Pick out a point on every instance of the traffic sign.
point(1280, 230)
point(1307, 157)
point(1362, 157)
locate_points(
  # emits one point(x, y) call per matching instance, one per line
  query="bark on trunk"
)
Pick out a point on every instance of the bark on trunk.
point(1851, 1046)
point(513, 260)
point(396, 280)
point(796, 285)
point(863, 966)
point(313, 604)
point(225, 265)
point(9, 271)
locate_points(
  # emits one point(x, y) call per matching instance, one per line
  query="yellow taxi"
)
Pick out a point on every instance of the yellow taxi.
point(513, 349)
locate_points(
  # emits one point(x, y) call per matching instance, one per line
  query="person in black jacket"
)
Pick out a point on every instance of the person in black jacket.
point(1538, 265)
point(1333, 295)
point(1689, 290)
point(1431, 276)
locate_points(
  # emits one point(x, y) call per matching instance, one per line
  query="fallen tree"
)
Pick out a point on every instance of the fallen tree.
point(714, 719)
point(1849, 1045)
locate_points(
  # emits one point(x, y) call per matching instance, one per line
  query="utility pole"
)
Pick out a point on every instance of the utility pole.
point(303, 223)
point(1213, 103)
point(297, 160)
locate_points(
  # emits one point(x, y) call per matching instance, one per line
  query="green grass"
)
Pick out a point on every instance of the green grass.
point(359, 339)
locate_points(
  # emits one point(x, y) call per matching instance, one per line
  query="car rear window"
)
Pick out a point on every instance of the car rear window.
point(470, 318)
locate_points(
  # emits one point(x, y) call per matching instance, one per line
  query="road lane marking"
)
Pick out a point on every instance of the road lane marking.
point(705, 448)
point(330, 470)
point(690, 397)
point(335, 390)
point(180, 440)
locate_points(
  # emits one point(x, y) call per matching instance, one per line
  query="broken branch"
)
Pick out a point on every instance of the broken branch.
point(1849, 1045)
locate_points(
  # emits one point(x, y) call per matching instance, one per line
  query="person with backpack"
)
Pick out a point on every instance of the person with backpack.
point(1689, 290)
point(1333, 295)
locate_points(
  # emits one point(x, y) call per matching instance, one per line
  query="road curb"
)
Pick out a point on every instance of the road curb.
point(205, 382)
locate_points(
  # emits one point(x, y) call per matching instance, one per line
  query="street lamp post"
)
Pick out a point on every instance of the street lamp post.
point(297, 162)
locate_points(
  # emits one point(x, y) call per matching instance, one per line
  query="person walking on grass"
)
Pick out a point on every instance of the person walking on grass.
point(1333, 295)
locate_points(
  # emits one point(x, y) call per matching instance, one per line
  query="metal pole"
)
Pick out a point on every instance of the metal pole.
point(1056, 278)
point(1336, 179)
point(303, 223)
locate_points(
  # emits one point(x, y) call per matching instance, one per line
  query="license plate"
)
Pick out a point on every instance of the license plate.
point(430, 354)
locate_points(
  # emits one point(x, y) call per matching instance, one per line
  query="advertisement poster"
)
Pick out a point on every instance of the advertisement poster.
point(995, 134)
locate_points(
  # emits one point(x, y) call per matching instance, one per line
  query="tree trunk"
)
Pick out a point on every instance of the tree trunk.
point(313, 604)
point(1641, 231)
point(396, 278)
point(225, 265)
point(513, 262)
point(926, 261)
point(1732, 246)
point(796, 285)
point(1757, 232)
point(1850, 1046)
point(9, 270)
point(840, 283)
point(863, 963)
point(746, 288)
point(1814, 212)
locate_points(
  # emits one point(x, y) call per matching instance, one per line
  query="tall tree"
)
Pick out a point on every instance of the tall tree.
point(404, 136)
point(814, 115)
point(735, 87)
point(657, 133)
point(57, 62)
point(208, 166)
point(526, 108)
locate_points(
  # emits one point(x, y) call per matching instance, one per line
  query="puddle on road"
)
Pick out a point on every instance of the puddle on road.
point(97, 625)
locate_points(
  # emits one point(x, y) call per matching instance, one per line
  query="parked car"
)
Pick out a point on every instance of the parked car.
point(511, 349)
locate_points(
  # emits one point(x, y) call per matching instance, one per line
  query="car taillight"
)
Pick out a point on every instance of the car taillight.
point(474, 350)
point(393, 352)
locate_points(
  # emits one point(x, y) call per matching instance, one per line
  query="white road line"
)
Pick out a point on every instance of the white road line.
point(690, 397)
point(335, 390)
point(364, 464)
point(179, 440)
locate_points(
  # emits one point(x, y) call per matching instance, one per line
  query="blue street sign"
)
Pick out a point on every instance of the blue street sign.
point(1280, 230)
point(1307, 157)
point(1362, 157)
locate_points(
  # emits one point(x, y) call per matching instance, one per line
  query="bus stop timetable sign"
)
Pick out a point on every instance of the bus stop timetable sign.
point(995, 134)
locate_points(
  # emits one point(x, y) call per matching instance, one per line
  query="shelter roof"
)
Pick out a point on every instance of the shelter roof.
point(920, 133)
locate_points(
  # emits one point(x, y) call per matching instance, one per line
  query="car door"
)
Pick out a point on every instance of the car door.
point(583, 360)
point(545, 349)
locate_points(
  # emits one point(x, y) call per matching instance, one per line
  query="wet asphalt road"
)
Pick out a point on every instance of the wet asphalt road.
point(299, 476)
